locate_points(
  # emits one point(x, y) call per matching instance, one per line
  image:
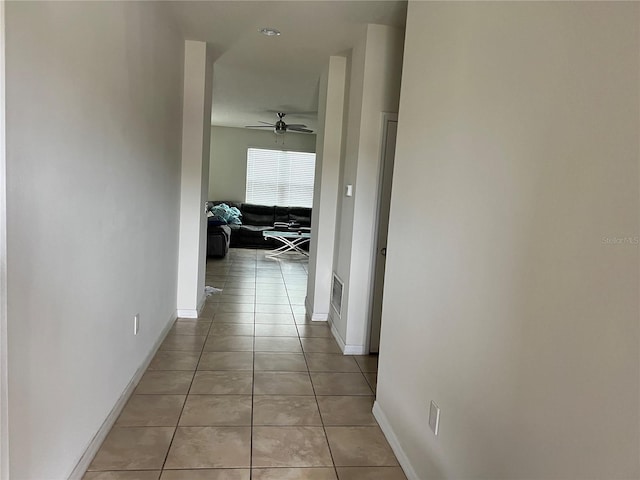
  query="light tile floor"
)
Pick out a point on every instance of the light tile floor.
point(250, 390)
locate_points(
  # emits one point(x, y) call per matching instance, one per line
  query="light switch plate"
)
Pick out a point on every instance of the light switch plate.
point(434, 417)
point(349, 191)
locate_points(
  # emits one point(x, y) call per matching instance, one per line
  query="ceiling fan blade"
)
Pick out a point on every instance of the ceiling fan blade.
point(266, 123)
point(296, 125)
point(297, 129)
point(258, 126)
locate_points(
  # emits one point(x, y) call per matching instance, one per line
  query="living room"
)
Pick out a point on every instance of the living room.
point(280, 173)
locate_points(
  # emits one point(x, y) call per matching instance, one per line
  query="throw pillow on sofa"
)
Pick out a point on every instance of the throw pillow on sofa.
point(228, 214)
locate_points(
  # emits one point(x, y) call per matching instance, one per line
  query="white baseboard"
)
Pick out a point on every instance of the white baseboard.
point(385, 426)
point(95, 443)
point(336, 335)
point(355, 350)
point(190, 312)
point(346, 348)
point(315, 317)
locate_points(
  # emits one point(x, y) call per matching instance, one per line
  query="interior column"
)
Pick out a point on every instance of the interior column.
point(196, 133)
point(323, 220)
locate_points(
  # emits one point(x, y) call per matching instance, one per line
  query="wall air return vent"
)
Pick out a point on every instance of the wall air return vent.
point(336, 294)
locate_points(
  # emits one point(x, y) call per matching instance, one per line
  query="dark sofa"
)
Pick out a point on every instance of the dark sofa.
point(218, 239)
point(258, 218)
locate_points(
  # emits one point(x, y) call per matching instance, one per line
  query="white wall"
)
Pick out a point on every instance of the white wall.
point(228, 166)
point(374, 87)
point(4, 371)
point(93, 186)
point(196, 141)
point(331, 109)
point(517, 157)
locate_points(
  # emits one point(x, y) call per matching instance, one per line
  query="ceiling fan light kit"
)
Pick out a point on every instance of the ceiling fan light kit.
point(280, 129)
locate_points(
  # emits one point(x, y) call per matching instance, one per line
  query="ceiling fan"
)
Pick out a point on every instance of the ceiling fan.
point(280, 127)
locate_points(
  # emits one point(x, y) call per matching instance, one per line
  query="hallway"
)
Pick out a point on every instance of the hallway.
point(250, 390)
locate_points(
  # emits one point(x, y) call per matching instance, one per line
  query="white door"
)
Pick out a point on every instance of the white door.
point(390, 131)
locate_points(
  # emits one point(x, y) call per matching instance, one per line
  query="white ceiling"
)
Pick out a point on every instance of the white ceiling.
point(255, 75)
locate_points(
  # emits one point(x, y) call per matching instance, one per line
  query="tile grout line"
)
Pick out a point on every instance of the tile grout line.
point(315, 396)
point(253, 367)
point(186, 398)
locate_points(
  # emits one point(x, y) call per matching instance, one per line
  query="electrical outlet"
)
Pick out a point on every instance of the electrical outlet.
point(136, 323)
point(434, 417)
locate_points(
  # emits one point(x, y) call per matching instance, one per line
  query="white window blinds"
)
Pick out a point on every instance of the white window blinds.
point(276, 177)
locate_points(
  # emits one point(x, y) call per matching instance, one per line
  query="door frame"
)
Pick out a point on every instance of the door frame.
point(4, 354)
point(386, 117)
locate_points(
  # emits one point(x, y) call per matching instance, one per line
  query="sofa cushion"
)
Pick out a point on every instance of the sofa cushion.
point(252, 235)
point(255, 230)
point(300, 215)
point(215, 221)
point(257, 214)
point(282, 214)
point(218, 238)
point(220, 230)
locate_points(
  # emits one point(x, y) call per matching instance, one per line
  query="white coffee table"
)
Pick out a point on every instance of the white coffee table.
point(292, 241)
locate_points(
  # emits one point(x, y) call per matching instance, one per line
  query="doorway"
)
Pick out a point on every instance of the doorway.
point(389, 132)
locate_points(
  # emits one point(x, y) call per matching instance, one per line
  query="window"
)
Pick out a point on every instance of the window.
point(276, 177)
